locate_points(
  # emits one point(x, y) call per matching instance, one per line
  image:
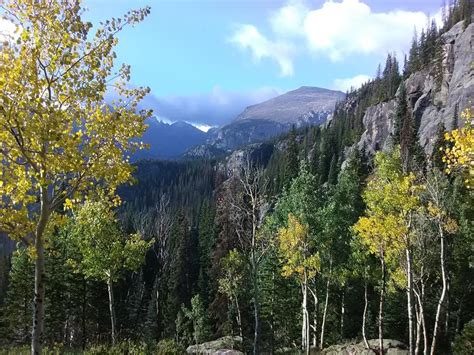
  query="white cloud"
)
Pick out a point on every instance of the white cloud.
point(348, 83)
point(341, 29)
point(8, 30)
point(210, 109)
point(338, 30)
point(201, 127)
point(249, 37)
point(289, 20)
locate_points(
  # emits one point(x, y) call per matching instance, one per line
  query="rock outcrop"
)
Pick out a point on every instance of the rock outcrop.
point(391, 347)
point(227, 345)
point(257, 154)
point(430, 101)
point(378, 126)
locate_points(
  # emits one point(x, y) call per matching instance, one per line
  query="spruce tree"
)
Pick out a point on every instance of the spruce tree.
point(438, 148)
point(401, 113)
point(183, 269)
point(207, 237)
point(291, 157)
point(333, 170)
point(17, 308)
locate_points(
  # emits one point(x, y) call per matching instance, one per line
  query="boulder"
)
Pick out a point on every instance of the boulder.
point(227, 345)
point(392, 347)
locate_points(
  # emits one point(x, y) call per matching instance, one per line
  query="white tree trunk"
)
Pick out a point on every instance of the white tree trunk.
point(411, 329)
point(323, 323)
point(315, 318)
point(443, 291)
point(381, 304)
point(304, 307)
point(39, 293)
point(112, 310)
point(364, 316)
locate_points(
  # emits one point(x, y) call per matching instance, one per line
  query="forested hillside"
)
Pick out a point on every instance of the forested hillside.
point(355, 231)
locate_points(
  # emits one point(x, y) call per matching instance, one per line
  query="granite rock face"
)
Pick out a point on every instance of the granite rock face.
point(226, 345)
point(431, 103)
point(378, 126)
point(256, 154)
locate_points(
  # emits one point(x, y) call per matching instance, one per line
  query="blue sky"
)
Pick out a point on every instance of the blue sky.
point(205, 60)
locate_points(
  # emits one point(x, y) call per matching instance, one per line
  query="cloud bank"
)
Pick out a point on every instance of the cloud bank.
point(348, 83)
point(215, 108)
point(336, 30)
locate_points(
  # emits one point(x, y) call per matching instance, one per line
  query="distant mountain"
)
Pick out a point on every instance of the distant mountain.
point(301, 107)
point(169, 141)
point(297, 107)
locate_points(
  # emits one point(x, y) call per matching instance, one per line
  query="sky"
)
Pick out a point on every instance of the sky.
point(206, 60)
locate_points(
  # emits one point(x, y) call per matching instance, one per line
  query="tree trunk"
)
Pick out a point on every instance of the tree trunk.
point(418, 327)
point(323, 323)
point(343, 310)
point(315, 317)
point(112, 309)
point(381, 303)
point(364, 316)
point(411, 338)
point(38, 300)
point(239, 316)
point(421, 322)
point(256, 309)
point(83, 316)
point(304, 308)
point(443, 291)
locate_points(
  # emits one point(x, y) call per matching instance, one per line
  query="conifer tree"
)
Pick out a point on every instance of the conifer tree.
point(401, 114)
point(333, 170)
point(16, 312)
point(183, 269)
point(291, 157)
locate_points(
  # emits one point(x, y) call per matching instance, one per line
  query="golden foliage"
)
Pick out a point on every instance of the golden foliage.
point(460, 156)
point(59, 139)
point(294, 247)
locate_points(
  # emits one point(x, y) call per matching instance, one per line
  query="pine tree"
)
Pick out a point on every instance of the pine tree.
point(17, 308)
point(291, 157)
point(333, 170)
point(400, 114)
point(183, 269)
point(414, 54)
point(406, 67)
point(439, 147)
point(207, 238)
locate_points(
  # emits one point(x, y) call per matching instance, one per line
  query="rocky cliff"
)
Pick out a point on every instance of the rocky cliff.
point(429, 102)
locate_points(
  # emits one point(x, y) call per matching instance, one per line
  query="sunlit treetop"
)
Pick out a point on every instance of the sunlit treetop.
point(59, 139)
point(295, 250)
point(391, 198)
point(460, 156)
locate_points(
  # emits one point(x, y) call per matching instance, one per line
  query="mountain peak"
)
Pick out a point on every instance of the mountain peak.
point(182, 124)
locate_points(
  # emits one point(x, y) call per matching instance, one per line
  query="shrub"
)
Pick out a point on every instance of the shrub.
point(464, 342)
point(169, 347)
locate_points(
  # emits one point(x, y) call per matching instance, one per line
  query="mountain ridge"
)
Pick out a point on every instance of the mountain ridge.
point(301, 107)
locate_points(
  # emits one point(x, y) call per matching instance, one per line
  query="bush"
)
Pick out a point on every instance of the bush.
point(124, 347)
point(169, 347)
point(464, 342)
